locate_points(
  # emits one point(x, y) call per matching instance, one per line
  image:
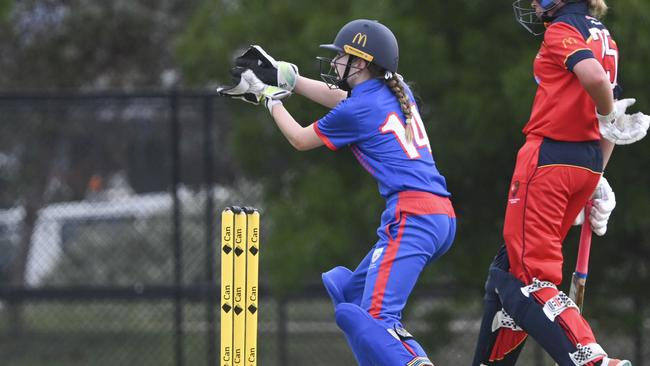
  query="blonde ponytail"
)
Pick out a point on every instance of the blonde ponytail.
point(597, 8)
point(395, 84)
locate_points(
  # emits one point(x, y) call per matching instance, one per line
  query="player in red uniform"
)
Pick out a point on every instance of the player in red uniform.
point(557, 171)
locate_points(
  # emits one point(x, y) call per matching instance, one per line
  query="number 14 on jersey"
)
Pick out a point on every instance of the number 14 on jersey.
point(394, 125)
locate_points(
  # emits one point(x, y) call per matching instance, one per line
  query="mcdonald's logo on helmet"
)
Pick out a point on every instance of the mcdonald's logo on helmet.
point(360, 39)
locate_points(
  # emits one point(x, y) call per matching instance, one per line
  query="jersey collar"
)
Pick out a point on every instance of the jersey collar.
point(573, 8)
point(367, 85)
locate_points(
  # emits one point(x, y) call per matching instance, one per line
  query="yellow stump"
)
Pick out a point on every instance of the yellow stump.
point(226, 286)
point(252, 271)
point(239, 285)
point(239, 303)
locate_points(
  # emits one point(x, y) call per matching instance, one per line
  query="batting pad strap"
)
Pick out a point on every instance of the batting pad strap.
point(420, 361)
point(504, 320)
point(557, 304)
point(536, 286)
point(586, 354)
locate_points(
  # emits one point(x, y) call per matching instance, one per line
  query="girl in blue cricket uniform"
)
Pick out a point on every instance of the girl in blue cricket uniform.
point(374, 114)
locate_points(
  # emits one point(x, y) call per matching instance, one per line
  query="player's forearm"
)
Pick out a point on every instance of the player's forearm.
point(319, 92)
point(596, 83)
point(602, 95)
point(607, 147)
point(298, 136)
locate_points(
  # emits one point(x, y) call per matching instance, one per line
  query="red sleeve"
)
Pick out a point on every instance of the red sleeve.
point(323, 138)
point(566, 45)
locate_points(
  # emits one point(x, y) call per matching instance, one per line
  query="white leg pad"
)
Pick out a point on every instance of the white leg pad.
point(557, 304)
point(586, 354)
point(504, 320)
point(536, 286)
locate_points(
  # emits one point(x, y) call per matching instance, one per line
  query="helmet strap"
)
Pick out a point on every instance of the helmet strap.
point(343, 81)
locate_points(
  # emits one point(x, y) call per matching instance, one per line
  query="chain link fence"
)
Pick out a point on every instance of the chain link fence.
point(109, 207)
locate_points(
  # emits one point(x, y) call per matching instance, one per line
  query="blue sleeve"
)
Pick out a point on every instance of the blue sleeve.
point(578, 56)
point(339, 127)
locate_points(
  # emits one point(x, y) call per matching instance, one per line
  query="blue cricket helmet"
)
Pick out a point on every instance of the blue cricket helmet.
point(547, 4)
point(369, 40)
point(526, 14)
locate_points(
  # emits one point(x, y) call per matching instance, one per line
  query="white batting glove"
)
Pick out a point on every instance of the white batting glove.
point(604, 201)
point(627, 129)
point(621, 128)
point(620, 106)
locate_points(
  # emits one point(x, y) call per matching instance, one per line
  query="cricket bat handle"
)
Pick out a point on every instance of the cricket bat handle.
point(579, 279)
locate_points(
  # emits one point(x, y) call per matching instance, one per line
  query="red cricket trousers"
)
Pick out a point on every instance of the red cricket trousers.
point(551, 183)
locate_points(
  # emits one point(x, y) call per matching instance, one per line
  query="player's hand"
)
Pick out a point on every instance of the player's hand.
point(620, 106)
point(604, 201)
point(270, 95)
point(276, 73)
point(251, 89)
point(627, 129)
point(240, 88)
point(621, 128)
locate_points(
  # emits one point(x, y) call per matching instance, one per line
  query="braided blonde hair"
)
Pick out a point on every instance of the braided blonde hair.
point(395, 84)
point(597, 8)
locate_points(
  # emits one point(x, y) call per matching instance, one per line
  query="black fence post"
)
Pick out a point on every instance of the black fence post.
point(176, 225)
point(209, 228)
point(283, 350)
point(639, 330)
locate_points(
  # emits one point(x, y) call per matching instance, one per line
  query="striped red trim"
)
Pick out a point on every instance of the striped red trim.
point(384, 270)
point(408, 348)
point(323, 138)
point(424, 203)
point(362, 160)
point(408, 203)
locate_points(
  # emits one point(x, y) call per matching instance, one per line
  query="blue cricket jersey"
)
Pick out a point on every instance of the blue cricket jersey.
point(371, 122)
